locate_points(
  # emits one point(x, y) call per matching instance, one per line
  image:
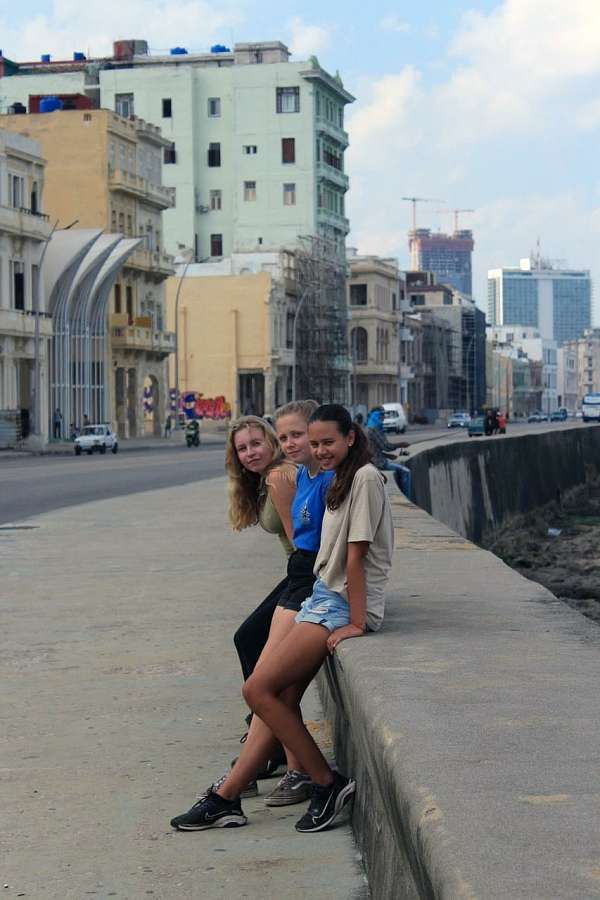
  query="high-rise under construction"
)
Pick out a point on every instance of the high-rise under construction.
point(447, 255)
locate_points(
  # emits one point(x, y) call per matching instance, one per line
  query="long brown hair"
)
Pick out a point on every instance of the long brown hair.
point(358, 453)
point(246, 488)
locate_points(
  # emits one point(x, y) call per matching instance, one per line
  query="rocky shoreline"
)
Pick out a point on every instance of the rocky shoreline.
point(559, 547)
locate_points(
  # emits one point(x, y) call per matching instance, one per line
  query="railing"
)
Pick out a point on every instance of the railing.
point(336, 176)
point(141, 187)
point(332, 130)
point(151, 260)
point(332, 218)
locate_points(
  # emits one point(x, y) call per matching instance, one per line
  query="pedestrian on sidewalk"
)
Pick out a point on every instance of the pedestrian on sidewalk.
point(57, 421)
point(259, 750)
point(168, 427)
point(384, 453)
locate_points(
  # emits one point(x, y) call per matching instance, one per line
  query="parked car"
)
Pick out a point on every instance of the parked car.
point(559, 415)
point(394, 418)
point(459, 420)
point(476, 426)
point(537, 416)
point(96, 437)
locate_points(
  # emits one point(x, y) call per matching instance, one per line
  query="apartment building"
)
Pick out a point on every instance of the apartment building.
point(256, 141)
point(24, 230)
point(530, 342)
point(582, 357)
point(104, 172)
point(375, 292)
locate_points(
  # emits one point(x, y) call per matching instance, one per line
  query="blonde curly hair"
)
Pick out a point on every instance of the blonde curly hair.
point(246, 489)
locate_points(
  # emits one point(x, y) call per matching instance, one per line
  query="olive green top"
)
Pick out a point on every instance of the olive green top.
point(268, 517)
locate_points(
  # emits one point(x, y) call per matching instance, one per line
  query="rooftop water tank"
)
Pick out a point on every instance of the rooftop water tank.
point(219, 48)
point(178, 51)
point(78, 57)
point(50, 104)
point(17, 109)
point(45, 57)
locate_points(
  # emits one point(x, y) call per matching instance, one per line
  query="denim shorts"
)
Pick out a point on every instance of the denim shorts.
point(325, 607)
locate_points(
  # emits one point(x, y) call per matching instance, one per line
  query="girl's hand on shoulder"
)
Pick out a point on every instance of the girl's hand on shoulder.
point(342, 634)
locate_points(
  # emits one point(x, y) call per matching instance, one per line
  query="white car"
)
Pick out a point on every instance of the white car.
point(459, 420)
point(96, 437)
point(394, 418)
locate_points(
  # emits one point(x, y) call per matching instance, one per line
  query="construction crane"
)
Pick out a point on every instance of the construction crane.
point(455, 213)
point(414, 201)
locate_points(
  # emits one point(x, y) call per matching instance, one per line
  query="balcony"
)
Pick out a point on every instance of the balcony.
point(335, 176)
point(332, 130)
point(164, 341)
point(21, 323)
point(129, 337)
point(327, 217)
point(159, 195)
point(153, 261)
point(24, 223)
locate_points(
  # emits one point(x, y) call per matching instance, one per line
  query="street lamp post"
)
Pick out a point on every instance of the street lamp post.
point(294, 330)
point(185, 252)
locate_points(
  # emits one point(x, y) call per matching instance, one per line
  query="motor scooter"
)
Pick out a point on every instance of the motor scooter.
point(192, 433)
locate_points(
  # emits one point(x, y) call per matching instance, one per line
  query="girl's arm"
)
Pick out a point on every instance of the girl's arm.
point(357, 596)
point(282, 489)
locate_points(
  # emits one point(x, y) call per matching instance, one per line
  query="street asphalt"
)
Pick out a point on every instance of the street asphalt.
point(121, 703)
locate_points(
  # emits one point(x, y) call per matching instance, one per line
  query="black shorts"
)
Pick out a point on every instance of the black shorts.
point(300, 580)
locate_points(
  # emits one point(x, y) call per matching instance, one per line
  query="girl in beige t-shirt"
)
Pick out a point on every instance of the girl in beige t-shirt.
point(354, 561)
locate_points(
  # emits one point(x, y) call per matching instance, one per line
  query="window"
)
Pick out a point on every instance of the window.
point(167, 108)
point(124, 105)
point(121, 222)
point(394, 301)
point(418, 300)
point(250, 149)
point(112, 155)
point(33, 206)
point(214, 107)
point(358, 295)
point(360, 345)
point(288, 150)
point(216, 245)
point(249, 191)
point(16, 190)
point(117, 298)
point(289, 195)
point(129, 301)
point(215, 199)
point(447, 300)
point(214, 155)
point(122, 157)
point(288, 100)
point(17, 285)
point(129, 225)
point(113, 220)
point(170, 155)
point(87, 117)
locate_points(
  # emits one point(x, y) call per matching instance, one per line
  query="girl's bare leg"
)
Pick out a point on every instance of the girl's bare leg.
point(296, 660)
point(260, 743)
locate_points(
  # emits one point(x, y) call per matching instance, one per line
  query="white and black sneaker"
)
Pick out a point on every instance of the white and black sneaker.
point(211, 811)
point(294, 787)
point(326, 803)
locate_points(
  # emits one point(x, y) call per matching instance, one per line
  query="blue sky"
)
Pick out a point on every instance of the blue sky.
point(490, 105)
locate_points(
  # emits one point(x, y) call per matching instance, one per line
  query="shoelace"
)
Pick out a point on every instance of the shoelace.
point(290, 778)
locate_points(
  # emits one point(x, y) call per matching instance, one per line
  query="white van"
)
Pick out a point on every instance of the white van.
point(394, 418)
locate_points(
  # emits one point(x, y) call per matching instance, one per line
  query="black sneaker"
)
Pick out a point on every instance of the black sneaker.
point(326, 803)
point(211, 811)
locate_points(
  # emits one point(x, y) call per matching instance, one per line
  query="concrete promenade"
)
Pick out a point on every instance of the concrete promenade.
point(120, 702)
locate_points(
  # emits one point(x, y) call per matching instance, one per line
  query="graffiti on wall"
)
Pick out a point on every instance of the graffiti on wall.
point(194, 405)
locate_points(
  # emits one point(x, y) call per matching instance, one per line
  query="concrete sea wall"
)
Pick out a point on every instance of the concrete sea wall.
point(472, 720)
point(475, 486)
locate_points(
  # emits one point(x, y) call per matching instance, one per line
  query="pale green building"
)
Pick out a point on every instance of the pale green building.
point(258, 142)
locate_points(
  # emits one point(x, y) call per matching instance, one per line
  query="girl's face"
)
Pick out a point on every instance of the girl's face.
point(253, 449)
point(292, 431)
point(328, 444)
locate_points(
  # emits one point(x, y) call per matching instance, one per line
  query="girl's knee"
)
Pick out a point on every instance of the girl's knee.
point(255, 692)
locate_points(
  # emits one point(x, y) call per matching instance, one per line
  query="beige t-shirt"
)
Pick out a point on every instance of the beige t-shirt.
point(365, 515)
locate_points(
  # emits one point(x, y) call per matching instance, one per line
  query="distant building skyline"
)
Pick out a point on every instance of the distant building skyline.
point(555, 301)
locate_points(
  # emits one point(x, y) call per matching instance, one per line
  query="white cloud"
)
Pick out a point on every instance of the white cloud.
point(394, 23)
point(93, 26)
point(307, 40)
point(521, 77)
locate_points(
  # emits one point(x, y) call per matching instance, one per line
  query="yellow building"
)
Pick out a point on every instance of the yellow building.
point(104, 171)
point(234, 352)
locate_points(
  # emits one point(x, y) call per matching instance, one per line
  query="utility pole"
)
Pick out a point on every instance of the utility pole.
point(187, 255)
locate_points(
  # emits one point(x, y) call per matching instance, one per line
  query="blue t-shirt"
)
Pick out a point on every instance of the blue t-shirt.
point(308, 508)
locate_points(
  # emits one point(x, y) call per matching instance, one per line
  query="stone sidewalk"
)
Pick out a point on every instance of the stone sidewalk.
point(121, 702)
